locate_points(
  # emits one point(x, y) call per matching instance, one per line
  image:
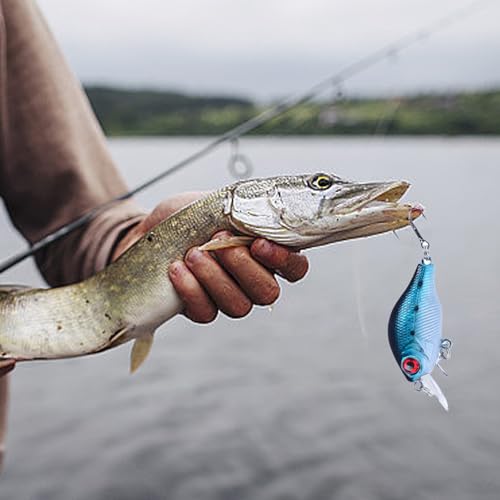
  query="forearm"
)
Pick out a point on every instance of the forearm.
point(54, 163)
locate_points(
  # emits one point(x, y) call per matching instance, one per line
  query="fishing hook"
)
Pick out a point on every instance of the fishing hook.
point(423, 242)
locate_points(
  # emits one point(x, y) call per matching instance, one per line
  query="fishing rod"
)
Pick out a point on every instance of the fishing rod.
point(281, 107)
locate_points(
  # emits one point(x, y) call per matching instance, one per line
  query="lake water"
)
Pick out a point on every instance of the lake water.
point(304, 401)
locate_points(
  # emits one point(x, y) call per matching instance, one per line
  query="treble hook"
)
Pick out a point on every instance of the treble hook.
point(423, 242)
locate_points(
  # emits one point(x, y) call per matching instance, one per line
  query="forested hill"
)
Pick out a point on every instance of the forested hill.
point(152, 112)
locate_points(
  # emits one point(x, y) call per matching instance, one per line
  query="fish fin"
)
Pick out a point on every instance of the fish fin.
point(232, 241)
point(428, 385)
point(140, 351)
point(117, 338)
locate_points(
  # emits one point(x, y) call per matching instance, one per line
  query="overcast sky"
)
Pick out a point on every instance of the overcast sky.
point(265, 49)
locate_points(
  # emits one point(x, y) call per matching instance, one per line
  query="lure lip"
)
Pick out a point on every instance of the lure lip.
point(429, 386)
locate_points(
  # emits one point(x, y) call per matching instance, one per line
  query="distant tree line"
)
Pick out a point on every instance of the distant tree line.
point(130, 112)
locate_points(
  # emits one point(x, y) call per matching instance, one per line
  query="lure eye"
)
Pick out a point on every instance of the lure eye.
point(320, 182)
point(410, 366)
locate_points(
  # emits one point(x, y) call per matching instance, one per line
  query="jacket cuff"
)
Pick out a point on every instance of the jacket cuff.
point(107, 230)
point(87, 251)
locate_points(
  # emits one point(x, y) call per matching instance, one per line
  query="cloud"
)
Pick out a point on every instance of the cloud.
point(270, 48)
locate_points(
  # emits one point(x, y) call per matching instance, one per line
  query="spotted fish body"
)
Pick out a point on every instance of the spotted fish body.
point(415, 328)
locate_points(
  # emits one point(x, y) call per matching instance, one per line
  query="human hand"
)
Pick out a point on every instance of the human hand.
point(6, 366)
point(231, 280)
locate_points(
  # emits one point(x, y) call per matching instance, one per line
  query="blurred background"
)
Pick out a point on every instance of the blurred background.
point(303, 401)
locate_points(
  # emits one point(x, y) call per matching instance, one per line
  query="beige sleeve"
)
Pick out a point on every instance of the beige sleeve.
point(54, 164)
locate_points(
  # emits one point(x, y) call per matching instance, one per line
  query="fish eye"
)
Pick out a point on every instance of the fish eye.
point(410, 366)
point(320, 182)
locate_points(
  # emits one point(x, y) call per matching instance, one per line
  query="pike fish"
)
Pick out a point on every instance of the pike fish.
point(133, 296)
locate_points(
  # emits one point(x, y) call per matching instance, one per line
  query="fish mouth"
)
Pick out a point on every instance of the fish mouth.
point(373, 194)
point(386, 201)
point(378, 209)
point(388, 194)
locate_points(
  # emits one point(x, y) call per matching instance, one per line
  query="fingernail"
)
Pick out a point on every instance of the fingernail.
point(175, 268)
point(193, 256)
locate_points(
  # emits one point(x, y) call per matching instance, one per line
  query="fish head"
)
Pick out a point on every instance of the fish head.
point(316, 209)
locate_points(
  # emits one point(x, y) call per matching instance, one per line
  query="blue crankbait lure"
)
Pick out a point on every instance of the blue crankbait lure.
point(415, 328)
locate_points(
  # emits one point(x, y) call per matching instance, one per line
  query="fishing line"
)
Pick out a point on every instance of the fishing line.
point(384, 119)
point(281, 107)
point(358, 292)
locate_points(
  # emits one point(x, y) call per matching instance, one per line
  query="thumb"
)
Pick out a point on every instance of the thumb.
point(165, 209)
point(168, 207)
